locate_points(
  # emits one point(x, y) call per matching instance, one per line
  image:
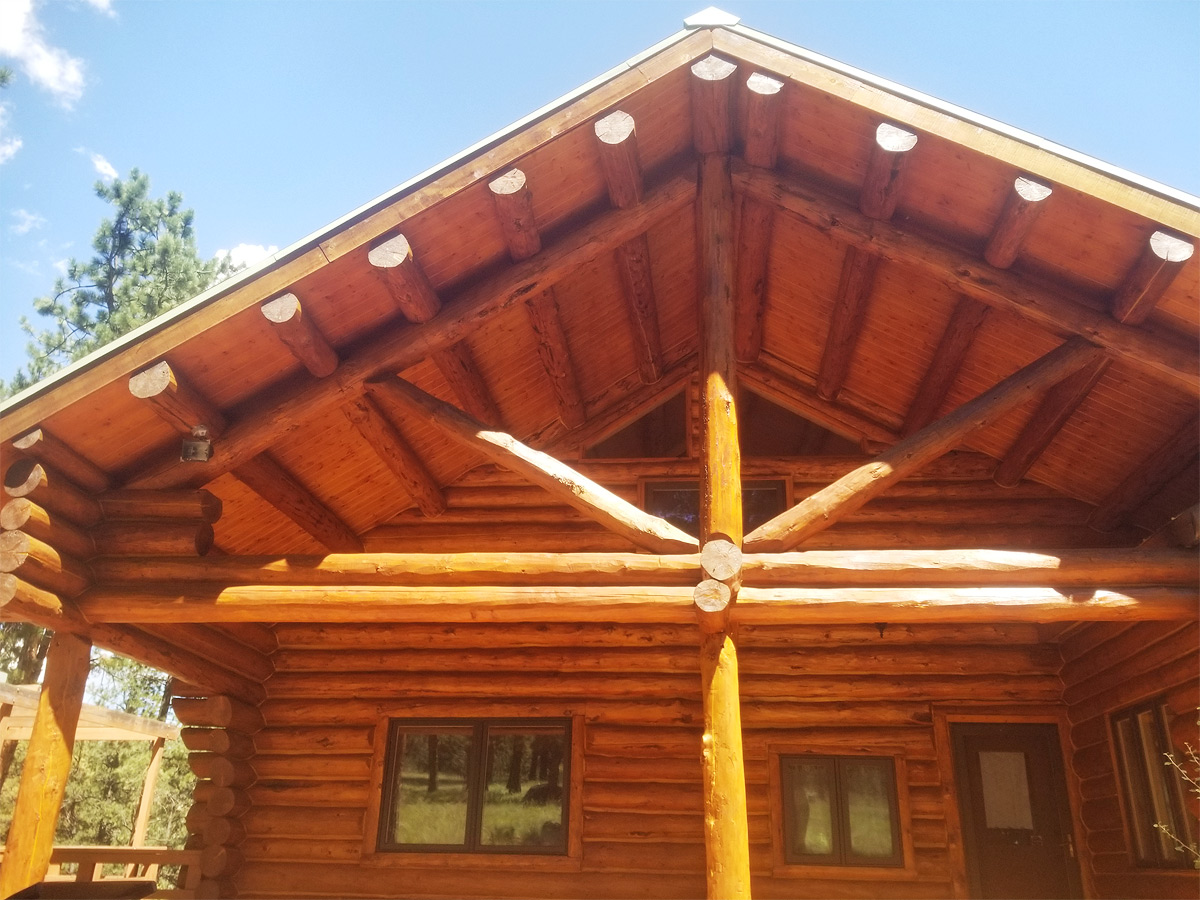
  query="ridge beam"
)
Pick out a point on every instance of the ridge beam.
point(616, 138)
point(513, 202)
point(562, 482)
point(1022, 208)
point(851, 491)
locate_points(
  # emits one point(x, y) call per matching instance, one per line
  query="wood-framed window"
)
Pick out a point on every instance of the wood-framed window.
point(679, 501)
point(1153, 791)
point(840, 811)
point(493, 785)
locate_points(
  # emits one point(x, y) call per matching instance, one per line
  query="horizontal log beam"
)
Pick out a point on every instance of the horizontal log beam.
point(629, 604)
point(589, 498)
point(1175, 362)
point(30, 479)
point(812, 568)
point(202, 506)
point(42, 565)
point(848, 493)
point(268, 417)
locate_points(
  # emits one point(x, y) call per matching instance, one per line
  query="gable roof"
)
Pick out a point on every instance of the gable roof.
point(483, 350)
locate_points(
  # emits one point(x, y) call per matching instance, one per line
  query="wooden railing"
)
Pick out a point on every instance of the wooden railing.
point(135, 863)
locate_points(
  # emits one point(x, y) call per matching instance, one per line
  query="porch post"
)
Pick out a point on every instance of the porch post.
point(47, 764)
point(726, 835)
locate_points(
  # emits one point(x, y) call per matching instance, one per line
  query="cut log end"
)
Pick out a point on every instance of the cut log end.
point(1170, 248)
point(393, 252)
point(721, 560)
point(22, 477)
point(615, 128)
point(765, 85)
point(511, 182)
point(712, 599)
point(1031, 191)
point(152, 382)
point(281, 309)
point(894, 139)
point(713, 68)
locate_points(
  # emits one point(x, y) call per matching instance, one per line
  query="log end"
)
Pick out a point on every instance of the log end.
point(281, 309)
point(713, 68)
point(511, 182)
point(389, 254)
point(152, 381)
point(615, 128)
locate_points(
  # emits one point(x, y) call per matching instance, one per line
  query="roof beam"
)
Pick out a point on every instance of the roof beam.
point(457, 366)
point(948, 358)
point(1172, 361)
point(273, 413)
point(763, 102)
point(712, 105)
point(877, 199)
point(41, 445)
point(1161, 260)
point(1171, 457)
point(1052, 414)
point(616, 136)
point(404, 279)
point(851, 491)
point(299, 334)
point(278, 487)
point(846, 324)
point(1021, 210)
point(629, 604)
point(175, 402)
point(559, 480)
point(514, 208)
point(396, 453)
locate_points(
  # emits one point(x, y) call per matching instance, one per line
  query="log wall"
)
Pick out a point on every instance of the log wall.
point(1107, 668)
point(635, 693)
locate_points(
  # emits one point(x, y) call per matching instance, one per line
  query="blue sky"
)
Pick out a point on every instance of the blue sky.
point(275, 118)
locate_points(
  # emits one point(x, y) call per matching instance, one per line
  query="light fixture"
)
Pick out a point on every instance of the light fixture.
point(198, 447)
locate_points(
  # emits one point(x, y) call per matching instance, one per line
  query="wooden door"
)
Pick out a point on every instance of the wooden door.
point(1016, 821)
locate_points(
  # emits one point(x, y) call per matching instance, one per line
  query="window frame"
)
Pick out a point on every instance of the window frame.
point(381, 849)
point(901, 867)
point(1136, 793)
point(782, 484)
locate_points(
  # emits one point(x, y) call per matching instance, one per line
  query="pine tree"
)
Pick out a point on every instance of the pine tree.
point(144, 263)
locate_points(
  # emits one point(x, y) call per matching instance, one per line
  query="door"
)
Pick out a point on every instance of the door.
point(1013, 801)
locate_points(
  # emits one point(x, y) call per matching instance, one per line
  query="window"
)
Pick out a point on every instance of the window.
point(1154, 792)
point(679, 502)
point(840, 811)
point(476, 785)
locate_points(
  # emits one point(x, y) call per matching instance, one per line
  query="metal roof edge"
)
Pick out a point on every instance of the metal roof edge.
point(313, 240)
point(1147, 184)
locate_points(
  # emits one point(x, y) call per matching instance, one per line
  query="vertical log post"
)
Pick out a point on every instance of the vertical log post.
point(47, 764)
point(726, 834)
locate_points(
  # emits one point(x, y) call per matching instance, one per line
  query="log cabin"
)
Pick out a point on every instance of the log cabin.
point(742, 476)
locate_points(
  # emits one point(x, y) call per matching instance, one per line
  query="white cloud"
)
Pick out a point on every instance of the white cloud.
point(103, 167)
point(60, 266)
point(51, 68)
point(104, 6)
point(9, 143)
point(244, 255)
point(26, 221)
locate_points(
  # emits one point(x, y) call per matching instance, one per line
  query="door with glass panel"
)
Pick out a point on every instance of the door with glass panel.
point(1016, 822)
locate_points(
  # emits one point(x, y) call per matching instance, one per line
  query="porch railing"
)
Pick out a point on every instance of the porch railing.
point(111, 865)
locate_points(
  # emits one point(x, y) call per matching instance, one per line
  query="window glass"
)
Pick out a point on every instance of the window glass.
point(840, 810)
point(1154, 795)
point(522, 803)
point(1005, 789)
point(679, 502)
point(486, 785)
point(869, 790)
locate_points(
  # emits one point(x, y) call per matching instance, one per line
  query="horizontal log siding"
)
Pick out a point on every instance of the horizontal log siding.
point(1110, 667)
point(638, 692)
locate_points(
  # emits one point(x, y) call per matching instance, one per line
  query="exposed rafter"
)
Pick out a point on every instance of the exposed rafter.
point(1022, 208)
point(298, 333)
point(952, 349)
point(396, 453)
point(278, 487)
